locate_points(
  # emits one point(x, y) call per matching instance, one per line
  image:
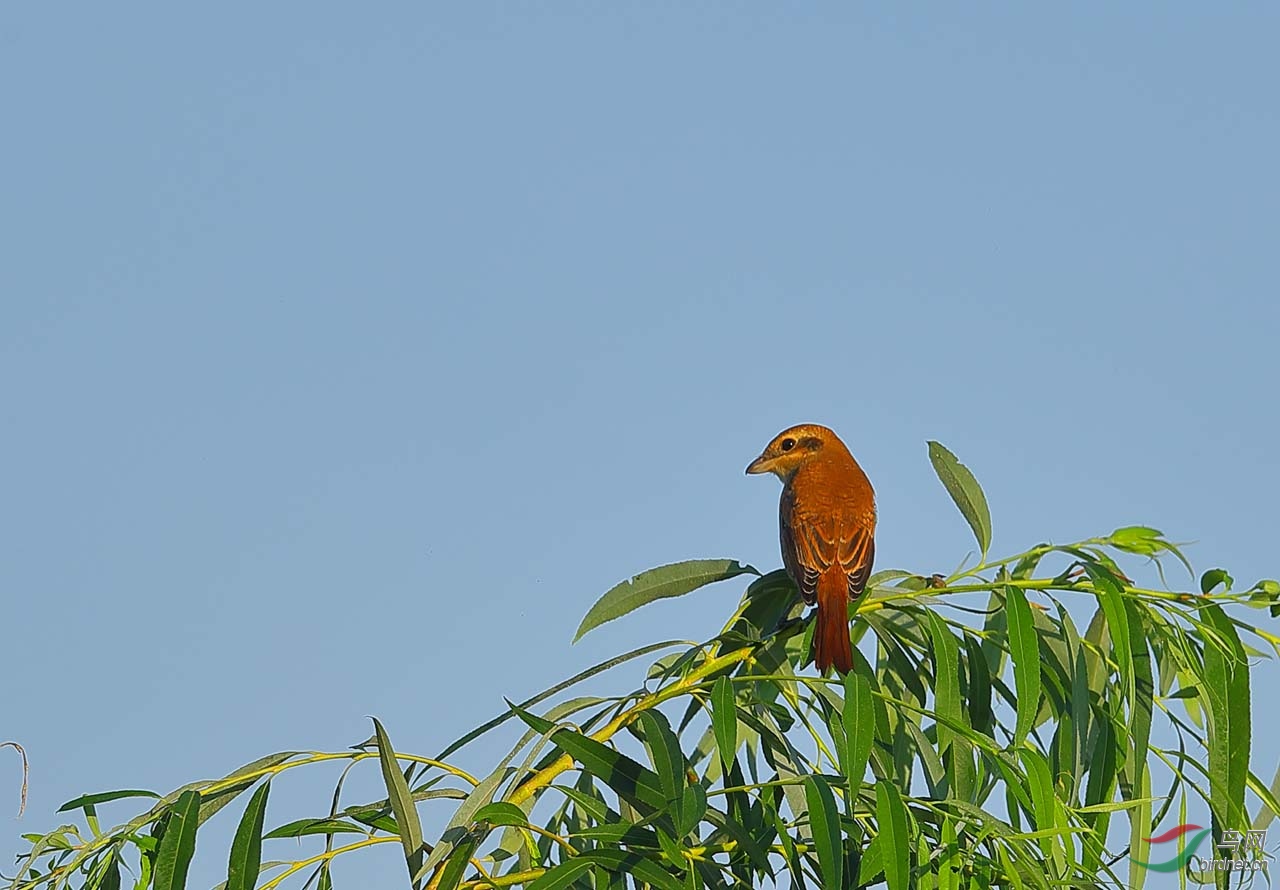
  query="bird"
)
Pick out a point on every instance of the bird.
point(827, 524)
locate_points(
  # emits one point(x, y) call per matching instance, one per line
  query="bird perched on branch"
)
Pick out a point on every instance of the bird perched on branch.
point(827, 518)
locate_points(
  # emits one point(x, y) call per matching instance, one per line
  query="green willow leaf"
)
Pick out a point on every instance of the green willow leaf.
point(246, 847)
point(254, 769)
point(949, 863)
point(690, 809)
point(666, 581)
point(178, 844)
point(566, 874)
point(1139, 539)
point(978, 699)
point(1213, 578)
point(211, 804)
point(308, 827)
point(1146, 541)
point(1040, 784)
point(401, 801)
point(619, 862)
point(456, 865)
point(1026, 661)
point(965, 491)
point(953, 745)
point(1142, 706)
point(824, 820)
point(1102, 768)
point(89, 800)
point(758, 855)
point(664, 753)
point(1111, 600)
point(859, 730)
point(1267, 813)
point(633, 782)
point(501, 813)
point(724, 719)
point(464, 816)
point(895, 843)
point(946, 679)
point(1226, 679)
point(871, 864)
point(111, 877)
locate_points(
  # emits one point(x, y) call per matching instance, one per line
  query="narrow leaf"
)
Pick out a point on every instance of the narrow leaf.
point(859, 731)
point(979, 697)
point(246, 847)
point(965, 491)
point(563, 875)
point(456, 865)
point(1111, 599)
point(895, 844)
point(501, 813)
point(632, 781)
point(89, 800)
point(824, 819)
point(1226, 678)
point(307, 827)
point(664, 753)
point(401, 800)
point(666, 581)
point(178, 844)
point(724, 719)
point(1026, 661)
point(111, 877)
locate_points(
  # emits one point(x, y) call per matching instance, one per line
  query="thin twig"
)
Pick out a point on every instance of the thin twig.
point(26, 771)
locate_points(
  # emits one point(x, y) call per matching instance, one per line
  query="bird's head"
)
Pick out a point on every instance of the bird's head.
point(793, 448)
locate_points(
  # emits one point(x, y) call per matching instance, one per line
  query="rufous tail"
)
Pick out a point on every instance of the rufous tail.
point(831, 639)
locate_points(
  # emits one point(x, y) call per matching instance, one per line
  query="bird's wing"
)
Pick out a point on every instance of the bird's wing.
point(799, 567)
point(795, 553)
point(808, 548)
point(857, 553)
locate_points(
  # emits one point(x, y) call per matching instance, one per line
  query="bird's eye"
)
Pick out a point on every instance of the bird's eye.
point(787, 444)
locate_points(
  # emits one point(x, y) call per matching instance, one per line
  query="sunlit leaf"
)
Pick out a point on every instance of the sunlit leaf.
point(89, 800)
point(895, 843)
point(178, 844)
point(724, 718)
point(1212, 578)
point(307, 827)
point(1026, 661)
point(859, 730)
point(629, 779)
point(672, 580)
point(664, 753)
point(401, 800)
point(1111, 600)
point(246, 846)
point(456, 865)
point(824, 820)
point(501, 813)
point(1226, 681)
point(965, 491)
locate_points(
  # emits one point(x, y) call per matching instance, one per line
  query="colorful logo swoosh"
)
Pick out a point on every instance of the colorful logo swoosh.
point(1177, 863)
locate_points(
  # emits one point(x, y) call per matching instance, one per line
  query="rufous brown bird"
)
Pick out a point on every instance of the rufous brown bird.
point(827, 518)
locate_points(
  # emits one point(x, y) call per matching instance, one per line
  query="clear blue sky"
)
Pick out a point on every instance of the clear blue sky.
point(346, 355)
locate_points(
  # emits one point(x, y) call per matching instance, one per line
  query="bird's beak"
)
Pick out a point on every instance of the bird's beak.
point(757, 466)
